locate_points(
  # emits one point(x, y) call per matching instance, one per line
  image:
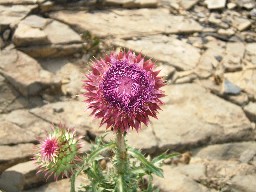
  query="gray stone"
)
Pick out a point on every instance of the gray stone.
point(215, 4)
point(62, 185)
point(12, 15)
point(11, 155)
point(22, 176)
point(175, 181)
point(227, 151)
point(184, 124)
point(19, 2)
point(245, 79)
point(248, 4)
point(59, 33)
point(250, 111)
point(166, 49)
point(12, 134)
point(144, 140)
point(68, 72)
point(232, 60)
point(243, 183)
point(28, 123)
point(29, 77)
point(71, 113)
point(41, 37)
point(247, 155)
point(241, 23)
point(141, 22)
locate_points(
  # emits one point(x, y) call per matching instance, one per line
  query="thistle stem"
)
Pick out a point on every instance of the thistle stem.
point(122, 153)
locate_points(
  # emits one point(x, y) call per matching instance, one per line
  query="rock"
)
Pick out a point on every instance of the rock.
point(29, 77)
point(250, 55)
point(232, 60)
point(28, 123)
point(241, 23)
point(69, 74)
point(141, 22)
point(11, 155)
point(166, 49)
point(231, 5)
point(243, 183)
point(27, 36)
point(71, 113)
point(12, 134)
point(188, 4)
point(7, 95)
point(40, 37)
point(19, 2)
point(62, 185)
point(227, 151)
point(245, 79)
point(248, 4)
point(166, 71)
point(175, 181)
point(215, 4)
point(12, 15)
point(227, 32)
point(241, 99)
point(250, 111)
point(176, 129)
point(247, 155)
point(144, 140)
point(22, 175)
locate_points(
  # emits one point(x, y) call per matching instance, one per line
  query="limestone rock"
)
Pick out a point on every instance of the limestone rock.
point(166, 49)
point(128, 23)
point(175, 181)
point(245, 79)
point(71, 113)
point(12, 15)
point(250, 55)
point(28, 77)
point(68, 72)
point(250, 110)
point(62, 185)
point(11, 155)
point(19, 2)
point(232, 60)
point(185, 124)
point(12, 134)
point(244, 183)
point(248, 4)
point(227, 151)
point(215, 4)
point(144, 140)
point(41, 37)
point(21, 176)
point(241, 23)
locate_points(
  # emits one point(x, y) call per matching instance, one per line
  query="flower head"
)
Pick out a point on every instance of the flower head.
point(58, 154)
point(123, 90)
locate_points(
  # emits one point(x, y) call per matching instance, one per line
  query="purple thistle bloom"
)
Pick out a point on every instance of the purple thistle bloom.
point(123, 90)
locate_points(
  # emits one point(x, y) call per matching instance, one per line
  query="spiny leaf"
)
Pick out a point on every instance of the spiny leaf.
point(153, 169)
point(98, 151)
point(162, 157)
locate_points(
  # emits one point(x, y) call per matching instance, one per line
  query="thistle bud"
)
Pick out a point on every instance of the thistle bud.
point(58, 153)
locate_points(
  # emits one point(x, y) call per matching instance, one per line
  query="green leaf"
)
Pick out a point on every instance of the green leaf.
point(120, 184)
point(98, 151)
point(152, 168)
point(162, 157)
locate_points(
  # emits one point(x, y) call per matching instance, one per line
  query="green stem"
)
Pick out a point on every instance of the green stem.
point(72, 180)
point(122, 153)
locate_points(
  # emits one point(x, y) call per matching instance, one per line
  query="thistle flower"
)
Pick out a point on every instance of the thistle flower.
point(123, 90)
point(58, 154)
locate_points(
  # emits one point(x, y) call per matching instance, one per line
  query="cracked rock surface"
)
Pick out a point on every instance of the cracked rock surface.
point(206, 50)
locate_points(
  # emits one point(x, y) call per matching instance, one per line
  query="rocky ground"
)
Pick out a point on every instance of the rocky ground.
point(205, 48)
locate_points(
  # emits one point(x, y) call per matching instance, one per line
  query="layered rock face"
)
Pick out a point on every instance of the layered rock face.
point(206, 50)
